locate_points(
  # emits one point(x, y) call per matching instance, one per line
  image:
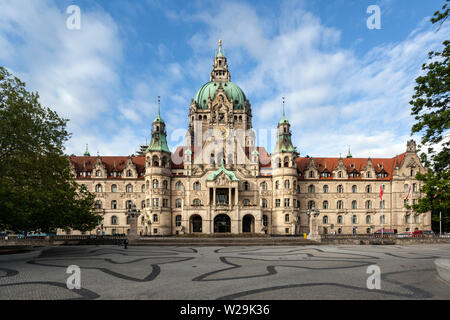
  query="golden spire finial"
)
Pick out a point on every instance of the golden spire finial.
point(220, 43)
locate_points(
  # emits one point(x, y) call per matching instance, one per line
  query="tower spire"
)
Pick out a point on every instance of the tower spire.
point(220, 72)
point(159, 106)
point(284, 114)
point(86, 153)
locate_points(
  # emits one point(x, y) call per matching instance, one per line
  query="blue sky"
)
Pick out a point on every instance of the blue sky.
point(344, 84)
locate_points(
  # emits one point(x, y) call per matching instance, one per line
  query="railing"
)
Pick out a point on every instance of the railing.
point(379, 236)
point(63, 237)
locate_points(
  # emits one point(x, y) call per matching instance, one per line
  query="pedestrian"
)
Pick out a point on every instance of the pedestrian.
point(125, 243)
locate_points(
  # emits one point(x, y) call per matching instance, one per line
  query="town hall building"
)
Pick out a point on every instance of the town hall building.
point(221, 182)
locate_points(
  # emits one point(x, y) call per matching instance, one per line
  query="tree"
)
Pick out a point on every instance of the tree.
point(37, 188)
point(430, 106)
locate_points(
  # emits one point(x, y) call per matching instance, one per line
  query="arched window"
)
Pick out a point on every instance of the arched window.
point(98, 173)
point(98, 204)
point(368, 189)
point(155, 161)
point(311, 204)
point(325, 189)
point(114, 204)
point(279, 162)
point(178, 221)
point(114, 188)
point(287, 184)
point(368, 204)
point(277, 185)
point(129, 204)
point(340, 188)
point(354, 219)
point(155, 184)
point(382, 204)
point(354, 204)
point(197, 185)
point(368, 175)
point(286, 162)
point(311, 189)
point(178, 203)
point(368, 219)
point(286, 217)
point(143, 188)
point(354, 189)
point(98, 188)
point(246, 186)
point(178, 186)
point(129, 173)
point(264, 203)
point(325, 219)
point(325, 204)
point(339, 219)
point(263, 186)
point(339, 174)
point(197, 202)
point(114, 220)
point(311, 174)
point(129, 188)
point(340, 204)
point(382, 219)
point(164, 184)
point(143, 204)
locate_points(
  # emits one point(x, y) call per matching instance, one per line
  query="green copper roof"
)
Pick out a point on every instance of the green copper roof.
point(284, 144)
point(283, 120)
point(210, 88)
point(158, 143)
point(158, 119)
point(214, 174)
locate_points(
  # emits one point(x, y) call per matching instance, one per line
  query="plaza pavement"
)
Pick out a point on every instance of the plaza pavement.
point(203, 273)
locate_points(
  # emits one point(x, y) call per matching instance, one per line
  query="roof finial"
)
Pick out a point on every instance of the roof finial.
point(159, 106)
point(284, 114)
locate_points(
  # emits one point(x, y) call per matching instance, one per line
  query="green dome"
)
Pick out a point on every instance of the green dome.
point(210, 88)
point(158, 119)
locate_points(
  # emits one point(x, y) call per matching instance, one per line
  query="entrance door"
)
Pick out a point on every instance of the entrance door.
point(222, 224)
point(196, 223)
point(248, 223)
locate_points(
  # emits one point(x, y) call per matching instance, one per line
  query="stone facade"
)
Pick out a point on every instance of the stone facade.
point(221, 182)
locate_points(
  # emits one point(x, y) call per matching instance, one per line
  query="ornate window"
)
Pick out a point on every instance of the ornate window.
point(155, 184)
point(246, 186)
point(197, 185)
point(129, 188)
point(98, 188)
point(287, 184)
point(325, 189)
point(368, 204)
point(129, 173)
point(263, 186)
point(340, 188)
point(340, 204)
point(114, 188)
point(197, 202)
point(98, 173)
point(178, 186)
point(311, 189)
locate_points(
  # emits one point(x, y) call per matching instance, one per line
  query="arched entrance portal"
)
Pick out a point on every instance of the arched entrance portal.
point(222, 224)
point(196, 224)
point(248, 223)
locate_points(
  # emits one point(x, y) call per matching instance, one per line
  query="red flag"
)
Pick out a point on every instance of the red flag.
point(381, 193)
point(409, 193)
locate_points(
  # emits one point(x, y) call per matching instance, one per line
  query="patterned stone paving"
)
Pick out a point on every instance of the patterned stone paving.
point(275, 273)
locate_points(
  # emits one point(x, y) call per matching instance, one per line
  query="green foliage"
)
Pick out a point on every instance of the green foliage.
point(37, 189)
point(430, 106)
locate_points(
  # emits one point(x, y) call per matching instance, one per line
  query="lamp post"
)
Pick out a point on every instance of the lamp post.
point(133, 214)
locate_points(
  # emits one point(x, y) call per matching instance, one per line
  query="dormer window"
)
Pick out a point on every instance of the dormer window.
point(98, 173)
